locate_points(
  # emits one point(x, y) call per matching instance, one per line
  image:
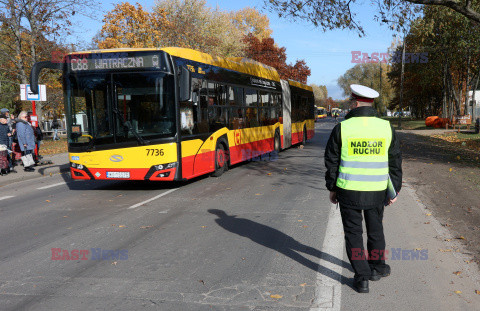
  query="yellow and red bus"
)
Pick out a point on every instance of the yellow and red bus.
point(321, 113)
point(174, 113)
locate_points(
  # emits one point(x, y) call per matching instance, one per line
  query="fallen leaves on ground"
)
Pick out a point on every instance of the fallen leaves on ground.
point(458, 292)
point(276, 296)
point(457, 272)
point(145, 227)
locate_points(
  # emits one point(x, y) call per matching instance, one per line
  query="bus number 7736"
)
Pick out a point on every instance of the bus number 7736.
point(155, 152)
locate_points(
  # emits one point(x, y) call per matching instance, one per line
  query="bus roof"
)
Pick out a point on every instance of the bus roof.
point(243, 65)
point(300, 85)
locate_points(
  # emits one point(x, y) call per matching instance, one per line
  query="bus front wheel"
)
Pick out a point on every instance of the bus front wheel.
point(221, 160)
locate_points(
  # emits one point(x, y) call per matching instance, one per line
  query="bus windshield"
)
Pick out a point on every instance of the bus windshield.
point(106, 108)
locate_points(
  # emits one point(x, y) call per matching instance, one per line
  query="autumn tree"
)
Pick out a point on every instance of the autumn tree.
point(131, 26)
point(338, 14)
point(265, 51)
point(196, 26)
point(31, 30)
point(249, 20)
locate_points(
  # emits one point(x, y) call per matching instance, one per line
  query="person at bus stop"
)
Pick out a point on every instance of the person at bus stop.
point(10, 122)
point(55, 127)
point(5, 135)
point(362, 154)
point(26, 137)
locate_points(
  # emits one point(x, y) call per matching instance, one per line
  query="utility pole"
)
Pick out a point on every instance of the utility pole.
point(381, 96)
point(401, 85)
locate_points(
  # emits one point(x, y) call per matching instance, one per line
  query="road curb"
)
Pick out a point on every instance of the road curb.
point(58, 164)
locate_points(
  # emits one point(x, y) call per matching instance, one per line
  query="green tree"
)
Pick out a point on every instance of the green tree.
point(440, 85)
point(338, 14)
point(368, 74)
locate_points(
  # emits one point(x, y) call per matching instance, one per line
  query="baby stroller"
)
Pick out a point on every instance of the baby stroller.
point(4, 163)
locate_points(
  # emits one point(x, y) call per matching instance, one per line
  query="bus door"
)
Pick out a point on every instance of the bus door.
point(287, 114)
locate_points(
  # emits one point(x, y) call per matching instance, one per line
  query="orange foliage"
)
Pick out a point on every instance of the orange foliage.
point(133, 27)
point(265, 51)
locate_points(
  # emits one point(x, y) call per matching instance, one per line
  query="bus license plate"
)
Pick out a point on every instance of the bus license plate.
point(118, 174)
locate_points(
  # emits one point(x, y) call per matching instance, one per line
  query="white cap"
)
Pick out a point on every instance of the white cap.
point(362, 92)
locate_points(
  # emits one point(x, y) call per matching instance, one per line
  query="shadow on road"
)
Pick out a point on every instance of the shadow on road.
point(282, 243)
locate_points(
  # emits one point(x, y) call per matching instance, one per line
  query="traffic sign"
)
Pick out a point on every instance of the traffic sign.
point(26, 93)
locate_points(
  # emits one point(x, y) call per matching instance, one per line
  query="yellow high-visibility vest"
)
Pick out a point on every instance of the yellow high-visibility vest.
point(364, 154)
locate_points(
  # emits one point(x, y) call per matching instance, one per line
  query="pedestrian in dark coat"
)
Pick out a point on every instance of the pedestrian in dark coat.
point(5, 132)
point(26, 136)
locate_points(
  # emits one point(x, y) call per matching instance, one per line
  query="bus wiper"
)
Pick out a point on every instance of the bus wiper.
point(90, 145)
point(130, 127)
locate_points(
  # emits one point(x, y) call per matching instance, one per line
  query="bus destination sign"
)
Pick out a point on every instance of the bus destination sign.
point(113, 61)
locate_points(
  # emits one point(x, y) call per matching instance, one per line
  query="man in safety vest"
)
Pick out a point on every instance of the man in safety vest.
point(363, 159)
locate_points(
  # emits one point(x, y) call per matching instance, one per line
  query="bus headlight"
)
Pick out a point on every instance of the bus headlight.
point(171, 165)
point(167, 166)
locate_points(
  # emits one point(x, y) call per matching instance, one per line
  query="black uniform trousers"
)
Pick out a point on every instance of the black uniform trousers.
point(361, 261)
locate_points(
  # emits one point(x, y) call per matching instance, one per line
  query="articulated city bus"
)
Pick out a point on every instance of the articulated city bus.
point(174, 113)
point(321, 113)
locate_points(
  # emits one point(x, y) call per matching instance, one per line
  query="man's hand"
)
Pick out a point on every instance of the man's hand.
point(333, 197)
point(390, 202)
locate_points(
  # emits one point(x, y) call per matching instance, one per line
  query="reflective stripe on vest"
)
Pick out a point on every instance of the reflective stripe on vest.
point(364, 154)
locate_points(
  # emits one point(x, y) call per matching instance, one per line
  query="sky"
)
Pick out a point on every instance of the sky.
point(328, 54)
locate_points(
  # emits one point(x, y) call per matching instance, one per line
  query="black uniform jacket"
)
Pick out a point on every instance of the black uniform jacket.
point(360, 199)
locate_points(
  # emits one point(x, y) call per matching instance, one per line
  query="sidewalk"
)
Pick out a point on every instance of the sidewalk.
point(60, 164)
point(429, 132)
point(431, 269)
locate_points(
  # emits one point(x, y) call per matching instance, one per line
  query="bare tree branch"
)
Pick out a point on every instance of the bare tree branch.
point(464, 9)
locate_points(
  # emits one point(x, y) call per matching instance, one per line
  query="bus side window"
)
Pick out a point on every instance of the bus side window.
point(251, 101)
point(202, 108)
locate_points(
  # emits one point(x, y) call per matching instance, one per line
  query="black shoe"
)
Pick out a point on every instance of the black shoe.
point(378, 273)
point(29, 169)
point(361, 286)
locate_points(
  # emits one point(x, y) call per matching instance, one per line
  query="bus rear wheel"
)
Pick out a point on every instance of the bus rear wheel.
point(221, 160)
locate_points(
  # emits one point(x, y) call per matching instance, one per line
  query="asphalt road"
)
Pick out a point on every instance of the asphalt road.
point(261, 237)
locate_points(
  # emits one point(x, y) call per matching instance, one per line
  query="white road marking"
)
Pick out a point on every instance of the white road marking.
point(6, 197)
point(164, 212)
point(154, 198)
point(51, 186)
point(332, 245)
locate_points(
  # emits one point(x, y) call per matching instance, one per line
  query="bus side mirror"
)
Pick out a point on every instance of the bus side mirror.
point(35, 73)
point(185, 82)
